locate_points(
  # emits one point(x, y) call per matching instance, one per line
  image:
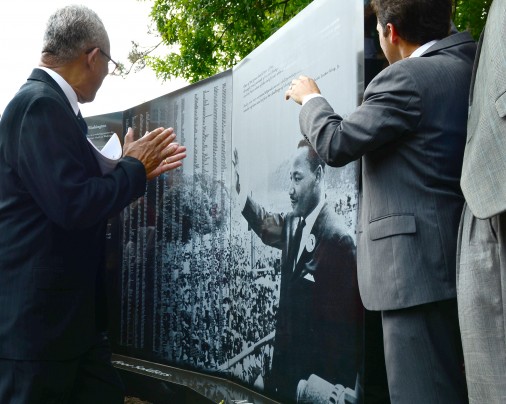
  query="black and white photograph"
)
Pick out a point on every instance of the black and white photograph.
point(242, 262)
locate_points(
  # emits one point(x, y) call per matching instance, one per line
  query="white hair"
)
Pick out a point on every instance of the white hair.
point(72, 30)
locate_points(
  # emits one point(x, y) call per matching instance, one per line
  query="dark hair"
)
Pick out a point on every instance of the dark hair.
point(313, 158)
point(416, 21)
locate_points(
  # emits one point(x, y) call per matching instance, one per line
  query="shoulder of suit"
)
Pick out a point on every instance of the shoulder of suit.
point(328, 222)
point(458, 39)
point(35, 95)
point(393, 77)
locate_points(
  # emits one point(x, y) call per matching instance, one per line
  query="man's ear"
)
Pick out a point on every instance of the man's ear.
point(319, 173)
point(92, 58)
point(393, 35)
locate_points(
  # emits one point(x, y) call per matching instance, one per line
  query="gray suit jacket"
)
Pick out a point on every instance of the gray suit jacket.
point(410, 132)
point(484, 169)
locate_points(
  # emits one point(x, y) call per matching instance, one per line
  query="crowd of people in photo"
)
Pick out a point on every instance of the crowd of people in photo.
point(216, 291)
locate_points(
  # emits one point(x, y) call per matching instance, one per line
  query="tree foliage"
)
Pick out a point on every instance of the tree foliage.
point(209, 36)
point(471, 15)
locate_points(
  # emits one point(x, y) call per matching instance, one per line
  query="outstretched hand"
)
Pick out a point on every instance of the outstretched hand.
point(301, 87)
point(156, 150)
point(235, 162)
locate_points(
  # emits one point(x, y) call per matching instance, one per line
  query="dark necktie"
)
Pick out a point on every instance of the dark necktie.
point(82, 122)
point(295, 244)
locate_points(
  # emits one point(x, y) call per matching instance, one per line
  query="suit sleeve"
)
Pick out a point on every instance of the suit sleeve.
point(391, 109)
point(55, 166)
point(268, 226)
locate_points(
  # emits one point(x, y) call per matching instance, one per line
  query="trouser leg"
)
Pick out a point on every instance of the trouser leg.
point(481, 293)
point(423, 354)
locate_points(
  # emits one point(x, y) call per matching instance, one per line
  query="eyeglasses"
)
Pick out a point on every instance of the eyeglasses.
point(112, 65)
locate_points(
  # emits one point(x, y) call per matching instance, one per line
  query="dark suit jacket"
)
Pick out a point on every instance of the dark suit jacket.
point(411, 131)
point(54, 204)
point(319, 323)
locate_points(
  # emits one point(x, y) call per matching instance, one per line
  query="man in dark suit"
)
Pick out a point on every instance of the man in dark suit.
point(481, 263)
point(319, 319)
point(54, 205)
point(410, 133)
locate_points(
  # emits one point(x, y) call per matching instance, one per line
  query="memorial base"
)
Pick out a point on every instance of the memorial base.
point(159, 384)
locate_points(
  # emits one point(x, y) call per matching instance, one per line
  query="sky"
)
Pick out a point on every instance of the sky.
point(22, 26)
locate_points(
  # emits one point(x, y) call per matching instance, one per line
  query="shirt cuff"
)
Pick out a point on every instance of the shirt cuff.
point(308, 97)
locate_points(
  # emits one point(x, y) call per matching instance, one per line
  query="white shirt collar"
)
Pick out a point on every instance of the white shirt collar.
point(418, 52)
point(310, 221)
point(66, 88)
point(311, 218)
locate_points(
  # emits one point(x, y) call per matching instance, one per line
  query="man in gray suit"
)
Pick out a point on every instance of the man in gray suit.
point(410, 135)
point(481, 265)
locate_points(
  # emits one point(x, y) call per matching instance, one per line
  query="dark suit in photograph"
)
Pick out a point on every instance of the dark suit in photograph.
point(319, 319)
point(481, 258)
point(54, 206)
point(410, 135)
